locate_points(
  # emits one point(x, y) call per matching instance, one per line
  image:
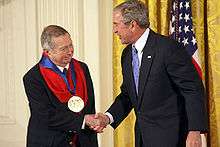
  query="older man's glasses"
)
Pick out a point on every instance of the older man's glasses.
point(64, 49)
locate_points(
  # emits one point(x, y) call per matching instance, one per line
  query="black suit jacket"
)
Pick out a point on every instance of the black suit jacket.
point(51, 123)
point(170, 100)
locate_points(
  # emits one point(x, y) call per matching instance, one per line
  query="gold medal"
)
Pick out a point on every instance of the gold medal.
point(75, 104)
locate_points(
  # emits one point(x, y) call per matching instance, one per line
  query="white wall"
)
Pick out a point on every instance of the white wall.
point(21, 23)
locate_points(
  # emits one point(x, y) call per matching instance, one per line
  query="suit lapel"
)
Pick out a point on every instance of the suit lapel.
point(146, 62)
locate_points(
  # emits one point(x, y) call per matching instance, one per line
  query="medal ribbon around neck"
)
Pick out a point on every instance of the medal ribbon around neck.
point(64, 87)
point(47, 63)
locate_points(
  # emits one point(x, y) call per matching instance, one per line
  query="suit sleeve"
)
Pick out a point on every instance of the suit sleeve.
point(183, 74)
point(120, 108)
point(56, 117)
point(122, 105)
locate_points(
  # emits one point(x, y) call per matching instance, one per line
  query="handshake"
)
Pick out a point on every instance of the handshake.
point(97, 122)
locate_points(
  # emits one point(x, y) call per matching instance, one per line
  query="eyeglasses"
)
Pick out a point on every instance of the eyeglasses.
point(64, 49)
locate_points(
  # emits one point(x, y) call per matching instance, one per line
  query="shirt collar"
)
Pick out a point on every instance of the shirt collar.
point(140, 43)
point(62, 68)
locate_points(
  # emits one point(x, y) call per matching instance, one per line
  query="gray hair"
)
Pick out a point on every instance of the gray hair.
point(134, 10)
point(49, 33)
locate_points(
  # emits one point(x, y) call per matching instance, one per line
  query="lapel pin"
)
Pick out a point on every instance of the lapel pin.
point(148, 57)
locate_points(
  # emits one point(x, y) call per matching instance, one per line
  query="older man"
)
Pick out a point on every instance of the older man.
point(60, 93)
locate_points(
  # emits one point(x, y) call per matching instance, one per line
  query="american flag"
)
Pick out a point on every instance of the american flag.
point(181, 29)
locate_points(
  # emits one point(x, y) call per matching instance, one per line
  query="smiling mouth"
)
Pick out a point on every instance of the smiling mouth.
point(68, 58)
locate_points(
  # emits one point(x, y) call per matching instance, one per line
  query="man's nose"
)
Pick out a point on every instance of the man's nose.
point(70, 49)
point(115, 30)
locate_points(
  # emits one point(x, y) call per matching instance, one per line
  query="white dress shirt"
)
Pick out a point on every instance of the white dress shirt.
point(140, 43)
point(62, 68)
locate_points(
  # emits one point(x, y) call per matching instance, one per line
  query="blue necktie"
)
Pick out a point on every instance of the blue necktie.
point(135, 64)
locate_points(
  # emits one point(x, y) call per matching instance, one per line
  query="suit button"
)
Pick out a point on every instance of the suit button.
point(139, 112)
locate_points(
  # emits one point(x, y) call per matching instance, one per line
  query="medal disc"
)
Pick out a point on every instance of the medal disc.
point(75, 104)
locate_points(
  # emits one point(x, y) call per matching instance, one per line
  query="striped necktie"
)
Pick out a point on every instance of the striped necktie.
point(135, 64)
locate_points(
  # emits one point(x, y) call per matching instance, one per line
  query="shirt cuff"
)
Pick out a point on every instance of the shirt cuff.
point(110, 117)
point(84, 123)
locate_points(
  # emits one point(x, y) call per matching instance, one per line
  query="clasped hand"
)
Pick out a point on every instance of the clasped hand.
point(97, 122)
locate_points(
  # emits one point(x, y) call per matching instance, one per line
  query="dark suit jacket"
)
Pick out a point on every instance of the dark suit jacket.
point(170, 100)
point(52, 123)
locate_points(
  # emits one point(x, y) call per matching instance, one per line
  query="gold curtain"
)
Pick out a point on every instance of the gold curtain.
point(206, 20)
point(212, 61)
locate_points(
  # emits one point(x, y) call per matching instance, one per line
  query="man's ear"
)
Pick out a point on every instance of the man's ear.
point(133, 25)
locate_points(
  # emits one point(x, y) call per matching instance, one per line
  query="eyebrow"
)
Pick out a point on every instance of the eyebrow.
point(71, 44)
